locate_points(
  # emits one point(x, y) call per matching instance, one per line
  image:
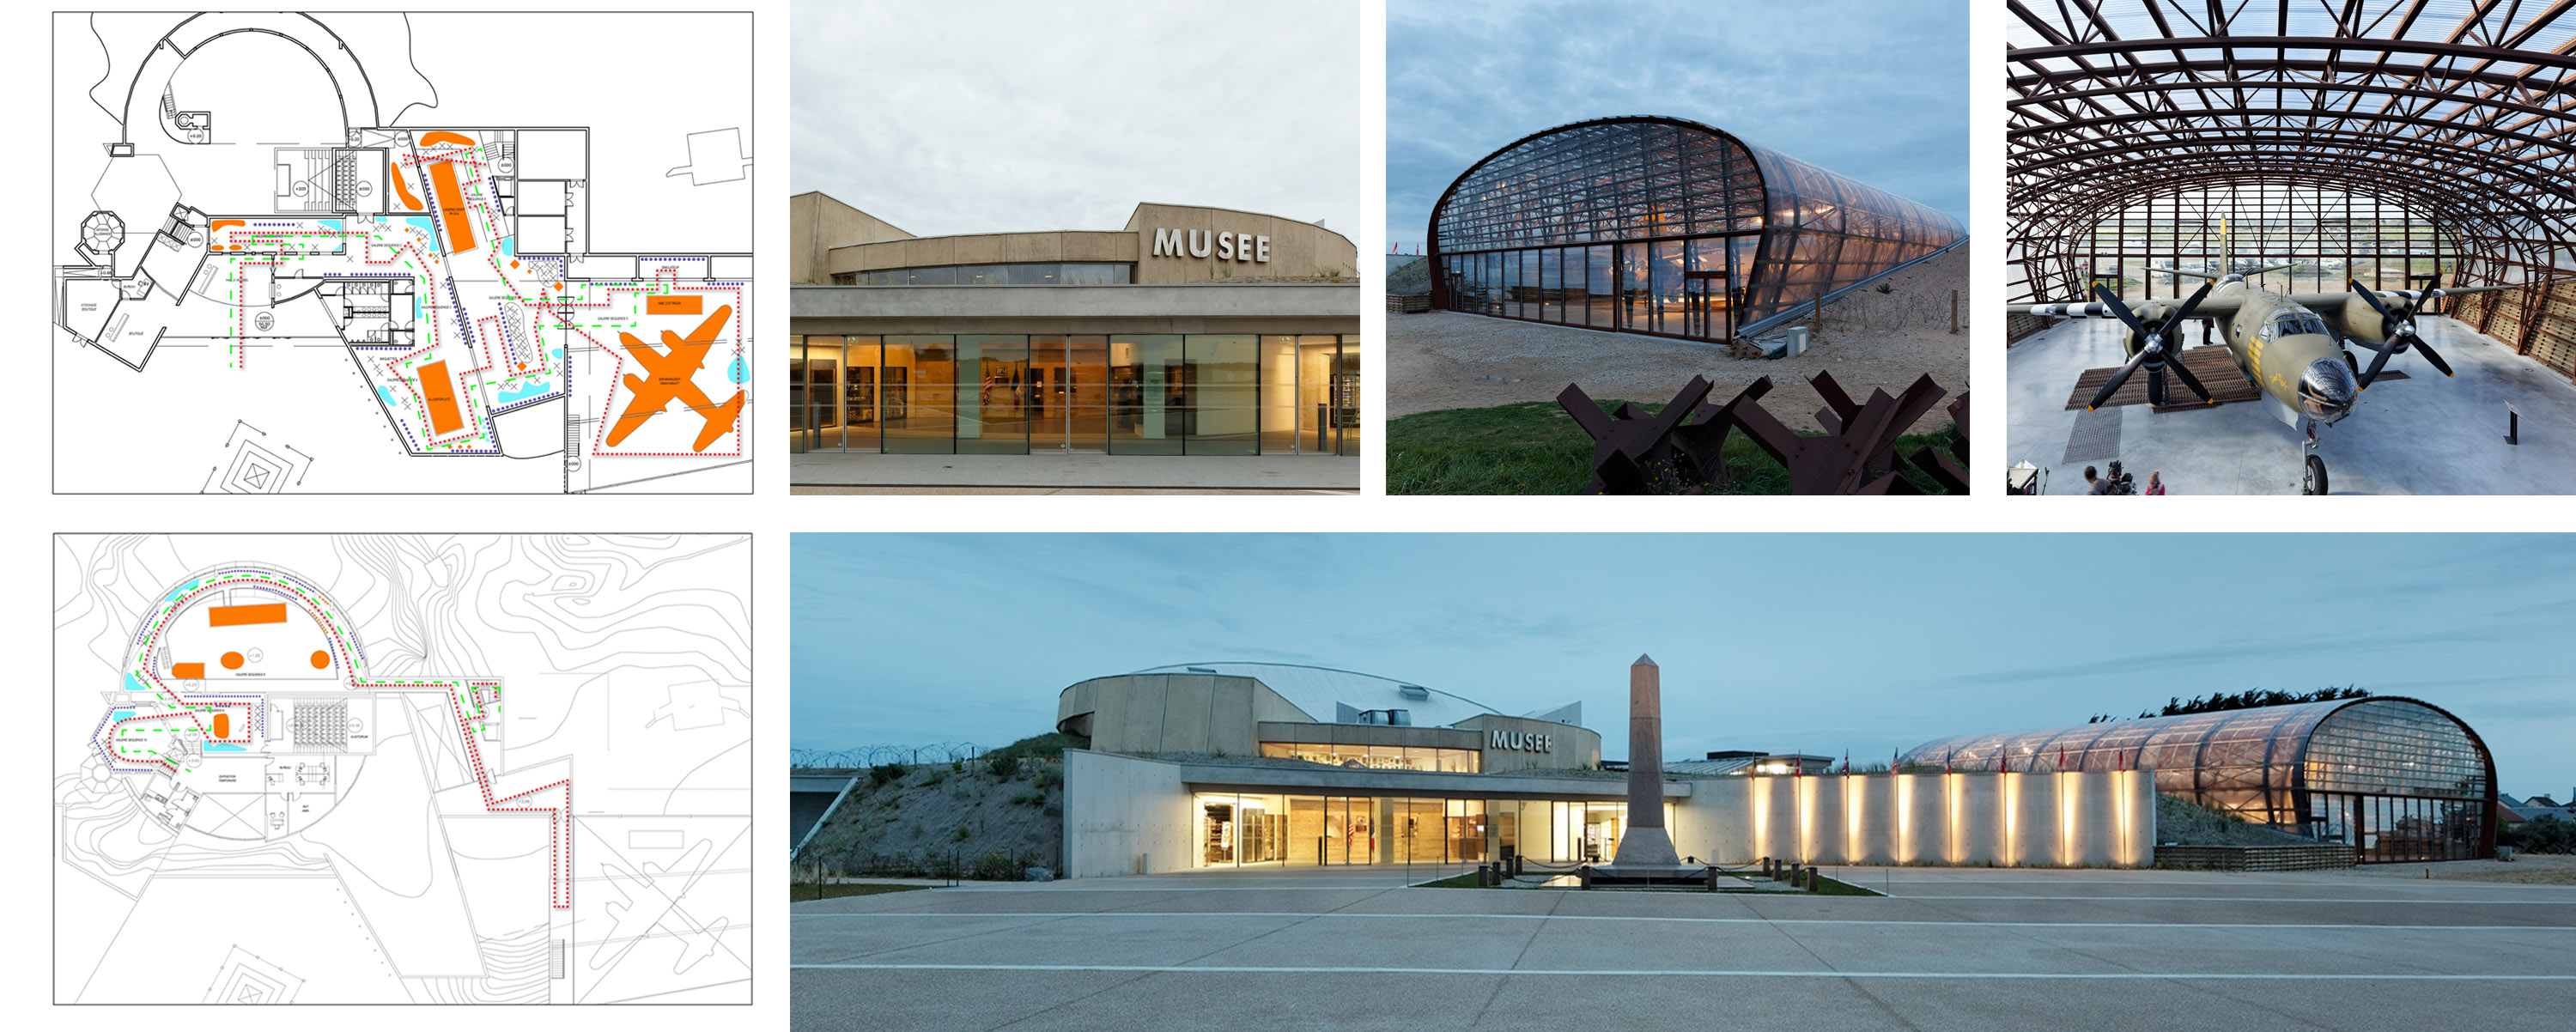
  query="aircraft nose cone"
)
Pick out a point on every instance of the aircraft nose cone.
point(2326, 390)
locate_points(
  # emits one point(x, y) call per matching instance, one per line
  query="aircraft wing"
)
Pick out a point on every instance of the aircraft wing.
point(2239, 272)
point(2334, 301)
point(2209, 306)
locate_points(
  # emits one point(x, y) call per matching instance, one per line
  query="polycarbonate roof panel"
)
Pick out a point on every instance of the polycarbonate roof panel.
point(1315, 689)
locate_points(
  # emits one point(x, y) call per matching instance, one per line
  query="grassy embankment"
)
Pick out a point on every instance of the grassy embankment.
point(1533, 447)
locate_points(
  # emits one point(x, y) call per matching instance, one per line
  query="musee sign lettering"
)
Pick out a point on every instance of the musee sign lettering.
point(1202, 243)
point(1525, 741)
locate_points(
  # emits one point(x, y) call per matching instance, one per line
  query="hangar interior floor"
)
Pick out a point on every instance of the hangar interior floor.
point(2421, 435)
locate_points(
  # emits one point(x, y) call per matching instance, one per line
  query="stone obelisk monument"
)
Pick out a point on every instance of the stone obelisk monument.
point(1646, 844)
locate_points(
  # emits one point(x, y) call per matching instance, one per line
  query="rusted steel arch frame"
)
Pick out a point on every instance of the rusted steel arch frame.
point(2363, 45)
point(1431, 228)
point(2128, 83)
point(2347, 118)
point(2442, 159)
point(2363, 175)
point(2486, 761)
point(2041, 241)
point(2094, 200)
point(2146, 175)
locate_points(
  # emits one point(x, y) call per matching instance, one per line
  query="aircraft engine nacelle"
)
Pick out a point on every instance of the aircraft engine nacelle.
point(2361, 322)
point(2151, 313)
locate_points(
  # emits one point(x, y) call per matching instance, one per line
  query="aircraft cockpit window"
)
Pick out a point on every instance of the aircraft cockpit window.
point(2298, 323)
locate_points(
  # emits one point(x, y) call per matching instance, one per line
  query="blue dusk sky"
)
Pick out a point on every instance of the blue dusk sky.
point(1817, 643)
point(1876, 90)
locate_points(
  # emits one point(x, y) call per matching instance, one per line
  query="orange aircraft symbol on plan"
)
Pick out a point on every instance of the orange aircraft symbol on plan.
point(668, 375)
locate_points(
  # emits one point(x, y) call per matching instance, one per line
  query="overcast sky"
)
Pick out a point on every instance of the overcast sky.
point(1876, 90)
point(1820, 643)
point(1022, 116)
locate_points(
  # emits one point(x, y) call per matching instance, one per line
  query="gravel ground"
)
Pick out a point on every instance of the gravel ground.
point(1438, 360)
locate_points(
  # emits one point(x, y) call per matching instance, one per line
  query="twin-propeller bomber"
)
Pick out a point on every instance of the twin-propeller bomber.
point(2294, 348)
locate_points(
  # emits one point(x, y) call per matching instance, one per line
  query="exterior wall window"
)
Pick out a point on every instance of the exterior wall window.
point(1023, 274)
point(919, 395)
point(1221, 391)
point(1242, 829)
point(1385, 757)
point(992, 395)
point(1150, 394)
point(1529, 222)
point(2396, 779)
point(1146, 415)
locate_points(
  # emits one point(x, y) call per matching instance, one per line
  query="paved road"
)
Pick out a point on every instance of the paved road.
point(1978, 950)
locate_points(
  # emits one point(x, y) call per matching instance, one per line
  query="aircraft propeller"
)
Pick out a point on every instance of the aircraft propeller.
point(2401, 335)
point(2152, 353)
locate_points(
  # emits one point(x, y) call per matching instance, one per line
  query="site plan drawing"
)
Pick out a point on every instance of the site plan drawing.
point(379, 253)
point(402, 769)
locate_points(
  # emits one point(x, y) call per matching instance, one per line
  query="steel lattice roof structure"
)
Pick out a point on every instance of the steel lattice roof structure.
point(2461, 110)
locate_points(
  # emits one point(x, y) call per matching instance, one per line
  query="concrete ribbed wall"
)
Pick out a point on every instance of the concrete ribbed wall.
point(2098, 819)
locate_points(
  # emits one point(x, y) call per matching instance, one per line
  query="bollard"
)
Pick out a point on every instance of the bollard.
point(2512, 424)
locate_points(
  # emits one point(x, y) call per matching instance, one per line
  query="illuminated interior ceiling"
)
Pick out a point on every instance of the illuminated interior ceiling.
point(2459, 111)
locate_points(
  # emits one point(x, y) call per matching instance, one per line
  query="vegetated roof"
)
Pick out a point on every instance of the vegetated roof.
point(2452, 109)
point(1316, 689)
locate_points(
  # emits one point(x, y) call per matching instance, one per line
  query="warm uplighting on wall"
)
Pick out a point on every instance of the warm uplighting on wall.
point(1851, 819)
point(1950, 791)
point(1905, 818)
point(2012, 815)
point(2066, 791)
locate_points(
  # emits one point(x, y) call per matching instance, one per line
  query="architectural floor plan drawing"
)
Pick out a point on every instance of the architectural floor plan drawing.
point(379, 252)
point(402, 769)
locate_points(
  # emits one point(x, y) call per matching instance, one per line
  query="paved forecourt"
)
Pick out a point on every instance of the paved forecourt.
point(1969, 949)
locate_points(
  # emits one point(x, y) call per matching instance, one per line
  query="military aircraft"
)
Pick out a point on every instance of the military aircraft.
point(2294, 347)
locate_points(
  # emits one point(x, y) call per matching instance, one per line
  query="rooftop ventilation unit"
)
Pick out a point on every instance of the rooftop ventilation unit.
point(1202, 670)
point(1413, 691)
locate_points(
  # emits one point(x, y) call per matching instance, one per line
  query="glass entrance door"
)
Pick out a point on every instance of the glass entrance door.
point(1069, 407)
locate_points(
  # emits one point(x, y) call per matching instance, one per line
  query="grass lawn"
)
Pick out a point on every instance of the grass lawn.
point(800, 892)
point(1533, 447)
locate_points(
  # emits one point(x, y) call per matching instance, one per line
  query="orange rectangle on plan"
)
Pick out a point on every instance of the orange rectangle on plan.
point(236, 616)
point(675, 304)
point(451, 207)
point(440, 393)
point(188, 671)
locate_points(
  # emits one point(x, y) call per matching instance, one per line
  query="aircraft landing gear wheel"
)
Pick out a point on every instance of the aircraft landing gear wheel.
point(2315, 481)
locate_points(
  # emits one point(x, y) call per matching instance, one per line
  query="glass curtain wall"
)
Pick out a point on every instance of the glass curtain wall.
point(1148, 394)
point(2399, 779)
point(2333, 235)
point(1239, 829)
point(1665, 227)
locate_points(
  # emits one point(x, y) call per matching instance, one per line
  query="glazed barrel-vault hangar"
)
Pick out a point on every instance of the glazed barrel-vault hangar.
point(1664, 226)
point(1190, 331)
point(1251, 765)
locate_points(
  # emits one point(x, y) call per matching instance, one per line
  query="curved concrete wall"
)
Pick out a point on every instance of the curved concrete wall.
point(1130, 816)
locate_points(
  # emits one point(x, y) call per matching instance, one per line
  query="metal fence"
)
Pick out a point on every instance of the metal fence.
point(866, 756)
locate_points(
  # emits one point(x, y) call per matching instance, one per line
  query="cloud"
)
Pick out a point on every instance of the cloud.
point(1026, 115)
point(1876, 91)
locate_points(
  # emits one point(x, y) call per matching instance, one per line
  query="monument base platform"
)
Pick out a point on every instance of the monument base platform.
point(1649, 874)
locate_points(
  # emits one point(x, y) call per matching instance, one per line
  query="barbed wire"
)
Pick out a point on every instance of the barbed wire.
point(880, 755)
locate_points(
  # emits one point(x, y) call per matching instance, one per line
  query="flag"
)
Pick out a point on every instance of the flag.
point(1846, 761)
